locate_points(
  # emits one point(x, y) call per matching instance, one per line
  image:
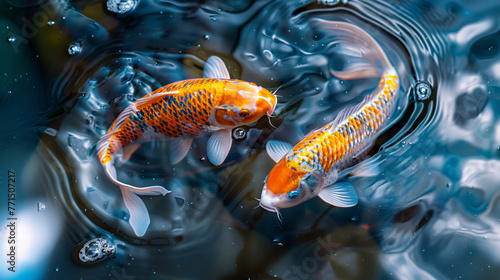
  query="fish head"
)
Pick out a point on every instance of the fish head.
point(243, 103)
point(287, 186)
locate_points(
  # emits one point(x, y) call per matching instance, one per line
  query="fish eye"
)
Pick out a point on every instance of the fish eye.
point(244, 113)
point(293, 194)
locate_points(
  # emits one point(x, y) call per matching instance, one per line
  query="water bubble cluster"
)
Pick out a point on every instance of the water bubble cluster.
point(239, 134)
point(423, 91)
point(121, 6)
point(96, 249)
point(331, 2)
point(75, 48)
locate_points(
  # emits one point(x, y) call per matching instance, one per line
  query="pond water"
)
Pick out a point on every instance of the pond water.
point(70, 67)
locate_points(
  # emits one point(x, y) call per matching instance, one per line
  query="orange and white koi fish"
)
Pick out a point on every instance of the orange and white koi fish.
point(313, 166)
point(182, 110)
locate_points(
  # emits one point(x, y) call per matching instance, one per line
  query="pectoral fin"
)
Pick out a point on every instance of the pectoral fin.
point(340, 194)
point(179, 149)
point(218, 146)
point(366, 169)
point(277, 149)
point(129, 150)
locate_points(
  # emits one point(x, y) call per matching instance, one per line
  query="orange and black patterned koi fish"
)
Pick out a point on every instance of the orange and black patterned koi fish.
point(313, 166)
point(182, 110)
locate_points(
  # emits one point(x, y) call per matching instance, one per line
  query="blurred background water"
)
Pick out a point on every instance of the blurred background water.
point(70, 67)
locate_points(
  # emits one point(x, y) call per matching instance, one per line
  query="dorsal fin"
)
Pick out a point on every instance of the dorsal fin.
point(349, 111)
point(152, 98)
point(215, 68)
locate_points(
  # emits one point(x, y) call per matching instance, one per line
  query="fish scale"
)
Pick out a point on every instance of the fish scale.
point(168, 115)
point(172, 108)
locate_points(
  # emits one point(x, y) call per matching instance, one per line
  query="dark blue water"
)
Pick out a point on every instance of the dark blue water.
point(70, 67)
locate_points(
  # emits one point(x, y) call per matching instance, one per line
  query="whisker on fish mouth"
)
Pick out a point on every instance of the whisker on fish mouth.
point(274, 93)
point(269, 119)
point(279, 216)
point(258, 205)
point(270, 209)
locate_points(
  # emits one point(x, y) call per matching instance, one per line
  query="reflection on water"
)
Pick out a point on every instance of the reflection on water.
point(431, 214)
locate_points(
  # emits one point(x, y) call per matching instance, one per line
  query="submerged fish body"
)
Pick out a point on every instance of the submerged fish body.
point(182, 110)
point(313, 166)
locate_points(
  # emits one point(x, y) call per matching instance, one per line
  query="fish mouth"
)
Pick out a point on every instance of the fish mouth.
point(269, 99)
point(268, 208)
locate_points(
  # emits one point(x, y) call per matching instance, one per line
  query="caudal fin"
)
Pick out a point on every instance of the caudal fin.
point(139, 215)
point(365, 57)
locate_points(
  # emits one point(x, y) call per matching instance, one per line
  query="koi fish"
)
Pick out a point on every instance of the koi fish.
point(313, 166)
point(182, 110)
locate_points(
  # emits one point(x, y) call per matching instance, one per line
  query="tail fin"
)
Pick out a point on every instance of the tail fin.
point(139, 216)
point(365, 56)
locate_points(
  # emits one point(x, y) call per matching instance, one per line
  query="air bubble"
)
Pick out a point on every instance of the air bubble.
point(51, 22)
point(331, 2)
point(96, 249)
point(423, 91)
point(121, 6)
point(239, 134)
point(75, 48)
point(11, 39)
